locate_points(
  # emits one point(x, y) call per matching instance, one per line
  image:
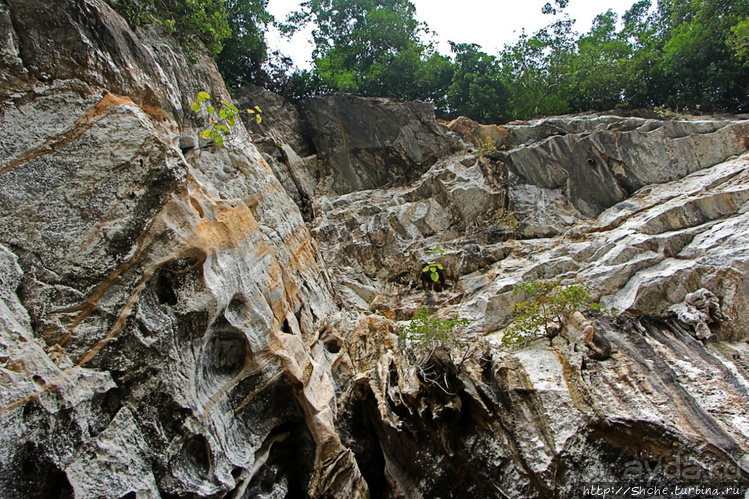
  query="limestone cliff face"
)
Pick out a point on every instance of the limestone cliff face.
point(185, 321)
point(161, 304)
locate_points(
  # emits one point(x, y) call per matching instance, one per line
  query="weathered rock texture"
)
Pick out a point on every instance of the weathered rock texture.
point(187, 321)
point(161, 310)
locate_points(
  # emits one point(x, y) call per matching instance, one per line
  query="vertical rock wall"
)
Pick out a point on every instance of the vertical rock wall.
point(161, 305)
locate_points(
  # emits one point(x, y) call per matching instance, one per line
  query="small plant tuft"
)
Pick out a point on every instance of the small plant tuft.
point(432, 267)
point(488, 146)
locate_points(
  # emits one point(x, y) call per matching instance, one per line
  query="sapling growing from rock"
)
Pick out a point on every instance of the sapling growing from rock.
point(488, 146)
point(426, 331)
point(541, 313)
point(433, 271)
point(222, 120)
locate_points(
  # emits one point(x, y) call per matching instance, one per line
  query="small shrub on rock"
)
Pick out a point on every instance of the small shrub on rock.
point(427, 332)
point(540, 314)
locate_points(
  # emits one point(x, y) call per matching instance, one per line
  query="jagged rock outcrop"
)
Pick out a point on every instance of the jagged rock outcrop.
point(182, 320)
point(366, 143)
point(600, 401)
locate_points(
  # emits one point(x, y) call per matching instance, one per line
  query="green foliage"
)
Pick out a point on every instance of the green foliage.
point(190, 20)
point(681, 54)
point(222, 120)
point(477, 89)
point(372, 47)
point(677, 53)
point(535, 71)
point(594, 73)
point(740, 40)
point(433, 267)
point(244, 51)
point(233, 31)
point(488, 146)
point(437, 250)
point(425, 331)
point(540, 313)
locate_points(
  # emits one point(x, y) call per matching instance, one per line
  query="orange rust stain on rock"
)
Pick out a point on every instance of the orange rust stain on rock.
point(477, 133)
point(299, 244)
point(157, 113)
point(230, 228)
point(193, 223)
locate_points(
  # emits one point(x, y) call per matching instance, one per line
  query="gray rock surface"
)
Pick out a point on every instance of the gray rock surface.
point(162, 307)
point(366, 143)
point(186, 321)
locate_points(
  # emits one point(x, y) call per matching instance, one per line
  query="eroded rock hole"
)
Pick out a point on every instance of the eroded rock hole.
point(171, 277)
point(164, 291)
point(286, 327)
point(361, 434)
point(228, 351)
point(197, 455)
point(197, 207)
point(35, 475)
point(109, 404)
point(290, 464)
point(332, 346)
point(236, 311)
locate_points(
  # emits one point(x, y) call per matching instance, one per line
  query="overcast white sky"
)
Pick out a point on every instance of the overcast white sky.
point(490, 23)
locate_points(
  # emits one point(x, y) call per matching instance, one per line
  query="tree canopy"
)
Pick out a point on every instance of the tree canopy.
point(683, 54)
point(680, 54)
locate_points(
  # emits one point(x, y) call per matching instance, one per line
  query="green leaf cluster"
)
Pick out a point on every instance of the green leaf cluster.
point(433, 268)
point(681, 54)
point(488, 146)
point(222, 120)
point(245, 50)
point(544, 305)
point(426, 331)
point(206, 21)
point(740, 40)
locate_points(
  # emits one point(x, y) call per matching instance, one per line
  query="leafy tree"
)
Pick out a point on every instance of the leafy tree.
point(190, 20)
point(698, 58)
point(643, 32)
point(432, 79)
point(691, 62)
point(368, 46)
point(595, 73)
point(534, 69)
point(476, 89)
point(245, 50)
point(740, 40)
